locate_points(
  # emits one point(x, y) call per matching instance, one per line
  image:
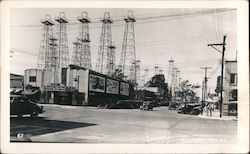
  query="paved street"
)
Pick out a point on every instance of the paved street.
point(92, 125)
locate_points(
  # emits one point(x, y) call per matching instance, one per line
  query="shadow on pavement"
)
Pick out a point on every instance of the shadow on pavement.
point(39, 126)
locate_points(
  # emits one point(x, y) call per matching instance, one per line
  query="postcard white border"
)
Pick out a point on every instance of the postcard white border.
point(243, 67)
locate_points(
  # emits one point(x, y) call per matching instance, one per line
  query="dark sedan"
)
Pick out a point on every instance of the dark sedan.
point(20, 105)
point(126, 104)
point(192, 108)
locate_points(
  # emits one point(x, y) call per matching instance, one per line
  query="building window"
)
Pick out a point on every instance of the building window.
point(233, 95)
point(32, 79)
point(233, 78)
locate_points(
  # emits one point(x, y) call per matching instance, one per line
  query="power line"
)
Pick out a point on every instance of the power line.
point(141, 19)
point(13, 50)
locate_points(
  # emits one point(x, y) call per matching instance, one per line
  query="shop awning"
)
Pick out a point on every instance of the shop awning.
point(30, 92)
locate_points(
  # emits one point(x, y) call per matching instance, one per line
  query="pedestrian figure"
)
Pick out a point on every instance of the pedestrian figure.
point(207, 109)
point(210, 109)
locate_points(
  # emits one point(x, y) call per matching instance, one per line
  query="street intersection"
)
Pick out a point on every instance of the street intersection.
point(81, 124)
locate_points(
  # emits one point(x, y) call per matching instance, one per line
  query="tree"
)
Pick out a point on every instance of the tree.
point(186, 91)
point(159, 81)
point(118, 74)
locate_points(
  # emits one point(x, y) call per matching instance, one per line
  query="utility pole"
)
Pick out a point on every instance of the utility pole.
point(222, 67)
point(205, 84)
point(202, 96)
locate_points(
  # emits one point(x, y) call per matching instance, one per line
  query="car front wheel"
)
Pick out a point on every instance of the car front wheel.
point(19, 115)
point(34, 114)
point(191, 112)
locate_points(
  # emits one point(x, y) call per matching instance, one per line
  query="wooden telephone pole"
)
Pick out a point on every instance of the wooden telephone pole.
point(204, 92)
point(222, 67)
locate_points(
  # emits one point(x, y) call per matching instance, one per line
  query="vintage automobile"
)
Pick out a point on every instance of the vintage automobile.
point(126, 104)
point(191, 108)
point(20, 105)
point(147, 105)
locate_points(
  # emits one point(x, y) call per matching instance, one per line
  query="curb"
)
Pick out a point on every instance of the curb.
point(218, 118)
point(67, 106)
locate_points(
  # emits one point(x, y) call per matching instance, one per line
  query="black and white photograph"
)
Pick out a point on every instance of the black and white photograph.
point(87, 75)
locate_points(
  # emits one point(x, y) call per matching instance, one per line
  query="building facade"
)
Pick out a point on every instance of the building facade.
point(16, 82)
point(79, 86)
point(230, 90)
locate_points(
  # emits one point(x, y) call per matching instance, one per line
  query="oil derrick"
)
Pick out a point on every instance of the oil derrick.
point(173, 86)
point(138, 78)
point(104, 61)
point(111, 66)
point(178, 73)
point(76, 56)
point(44, 57)
point(85, 55)
point(171, 78)
point(170, 73)
point(128, 54)
point(54, 63)
point(174, 81)
point(63, 54)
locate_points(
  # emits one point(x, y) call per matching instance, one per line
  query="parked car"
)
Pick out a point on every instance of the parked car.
point(165, 104)
point(192, 108)
point(126, 104)
point(155, 104)
point(147, 105)
point(20, 105)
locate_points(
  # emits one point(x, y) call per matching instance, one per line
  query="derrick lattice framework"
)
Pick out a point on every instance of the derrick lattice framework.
point(170, 74)
point(112, 67)
point(76, 56)
point(138, 70)
point(63, 54)
point(46, 54)
point(81, 54)
point(106, 56)
point(54, 64)
point(128, 55)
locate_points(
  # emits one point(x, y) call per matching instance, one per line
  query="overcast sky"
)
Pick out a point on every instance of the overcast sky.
point(158, 39)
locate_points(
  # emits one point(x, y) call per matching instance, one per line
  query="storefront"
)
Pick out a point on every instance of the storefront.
point(104, 90)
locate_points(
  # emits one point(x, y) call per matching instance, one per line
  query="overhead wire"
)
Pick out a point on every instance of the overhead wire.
point(142, 20)
point(15, 50)
point(208, 11)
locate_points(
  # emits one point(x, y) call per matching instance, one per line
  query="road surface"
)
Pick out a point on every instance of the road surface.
point(71, 124)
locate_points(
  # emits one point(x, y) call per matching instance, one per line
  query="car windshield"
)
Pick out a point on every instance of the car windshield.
point(11, 99)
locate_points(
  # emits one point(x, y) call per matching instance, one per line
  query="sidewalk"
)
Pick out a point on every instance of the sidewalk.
point(216, 115)
point(66, 106)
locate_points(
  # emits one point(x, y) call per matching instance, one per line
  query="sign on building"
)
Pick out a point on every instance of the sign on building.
point(96, 83)
point(55, 88)
point(112, 86)
point(124, 89)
